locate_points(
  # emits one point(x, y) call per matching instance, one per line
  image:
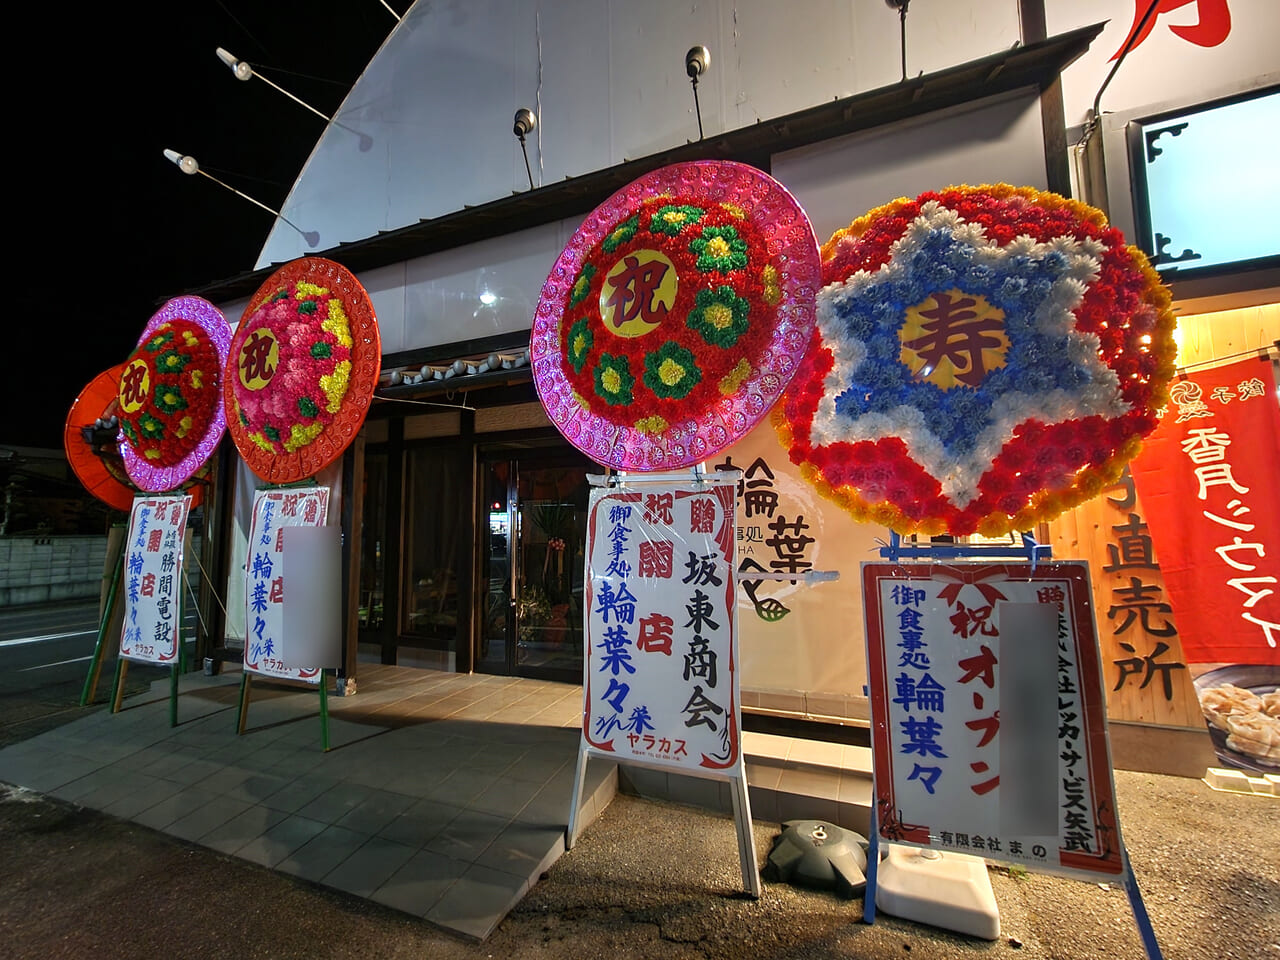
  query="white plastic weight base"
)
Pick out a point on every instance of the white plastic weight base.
point(947, 890)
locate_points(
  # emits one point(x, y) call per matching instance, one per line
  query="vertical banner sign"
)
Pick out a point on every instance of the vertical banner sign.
point(1209, 477)
point(153, 586)
point(273, 510)
point(988, 714)
point(661, 685)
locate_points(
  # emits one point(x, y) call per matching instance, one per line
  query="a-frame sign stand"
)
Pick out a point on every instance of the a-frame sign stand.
point(108, 614)
point(242, 711)
point(735, 775)
point(1032, 552)
point(246, 674)
point(176, 669)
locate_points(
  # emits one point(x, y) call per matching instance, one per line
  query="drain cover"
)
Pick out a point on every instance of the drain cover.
point(813, 853)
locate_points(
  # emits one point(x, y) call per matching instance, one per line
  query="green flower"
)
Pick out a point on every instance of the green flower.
point(321, 350)
point(307, 407)
point(671, 371)
point(614, 381)
point(672, 219)
point(271, 433)
point(162, 338)
point(580, 342)
point(172, 361)
point(127, 429)
point(308, 306)
point(720, 316)
point(151, 427)
point(720, 248)
point(169, 399)
point(621, 234)
point(582, 286)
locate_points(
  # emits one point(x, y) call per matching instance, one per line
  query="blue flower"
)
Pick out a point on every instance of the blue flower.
point(940, 262)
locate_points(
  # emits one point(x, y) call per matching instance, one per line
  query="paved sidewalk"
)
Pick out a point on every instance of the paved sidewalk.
point(443, 796)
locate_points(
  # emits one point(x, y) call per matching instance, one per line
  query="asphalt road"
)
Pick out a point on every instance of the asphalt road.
point(45, 656)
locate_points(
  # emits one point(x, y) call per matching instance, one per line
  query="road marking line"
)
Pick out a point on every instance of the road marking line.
point(45, 666)
point(49, 636)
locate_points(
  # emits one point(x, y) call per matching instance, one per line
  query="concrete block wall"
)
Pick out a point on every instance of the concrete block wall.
point(45, 569)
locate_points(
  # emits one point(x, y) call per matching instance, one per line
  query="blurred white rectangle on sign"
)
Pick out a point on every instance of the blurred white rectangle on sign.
point(312, 614)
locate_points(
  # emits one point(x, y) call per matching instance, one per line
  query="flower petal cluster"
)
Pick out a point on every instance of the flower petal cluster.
point(181, 362)
point(285, 401)
point(692, 351)
point(986, 357)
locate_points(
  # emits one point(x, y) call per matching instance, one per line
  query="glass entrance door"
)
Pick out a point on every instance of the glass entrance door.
point(532, 560)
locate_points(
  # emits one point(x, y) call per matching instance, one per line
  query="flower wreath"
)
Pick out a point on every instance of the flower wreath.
point(299, 343)
point(641, 353)
point(985, 358)
point(303, 365)
point(676, 315)
point(169, 391)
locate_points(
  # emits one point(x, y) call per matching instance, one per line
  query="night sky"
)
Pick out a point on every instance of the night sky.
point(103, 229)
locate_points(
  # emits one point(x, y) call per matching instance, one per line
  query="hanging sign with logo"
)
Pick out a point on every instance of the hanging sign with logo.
point(153, 579)
point(273, 510)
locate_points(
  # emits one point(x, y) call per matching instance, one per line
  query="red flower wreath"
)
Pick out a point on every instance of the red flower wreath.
point(169, 391)
point(665, 310)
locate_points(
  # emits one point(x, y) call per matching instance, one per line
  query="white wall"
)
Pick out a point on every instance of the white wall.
point(427, 127)
point(997, 140)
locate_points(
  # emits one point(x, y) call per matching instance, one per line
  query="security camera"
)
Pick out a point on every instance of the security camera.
point(524, 123)
point(696, 61)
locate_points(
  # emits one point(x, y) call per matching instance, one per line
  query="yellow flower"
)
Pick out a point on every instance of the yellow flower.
point(197, 379)
point(259, 440)
point(336, 323)
point(670, 372)
point(718, 315)
point(303, 290)
point(184, 426)
point(152, 454)
point(734, 211)
point(731, 381)
point(300, 436)
point(718, 248)
point(335, 385)
point(994, 525)
point(651, 425)
point(610, 380)
point(772, 288)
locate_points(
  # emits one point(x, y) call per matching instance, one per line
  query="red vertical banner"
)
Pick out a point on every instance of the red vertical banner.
point(1209, 478)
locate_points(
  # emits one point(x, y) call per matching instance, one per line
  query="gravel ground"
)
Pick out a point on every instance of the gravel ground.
point(646, 880)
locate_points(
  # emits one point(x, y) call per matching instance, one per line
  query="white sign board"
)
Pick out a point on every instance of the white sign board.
point(153, 579)
point(660, 663)
point(988, 714)
point(273, 511)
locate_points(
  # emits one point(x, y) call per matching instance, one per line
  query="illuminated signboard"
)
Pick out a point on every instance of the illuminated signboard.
point(1204, 186)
